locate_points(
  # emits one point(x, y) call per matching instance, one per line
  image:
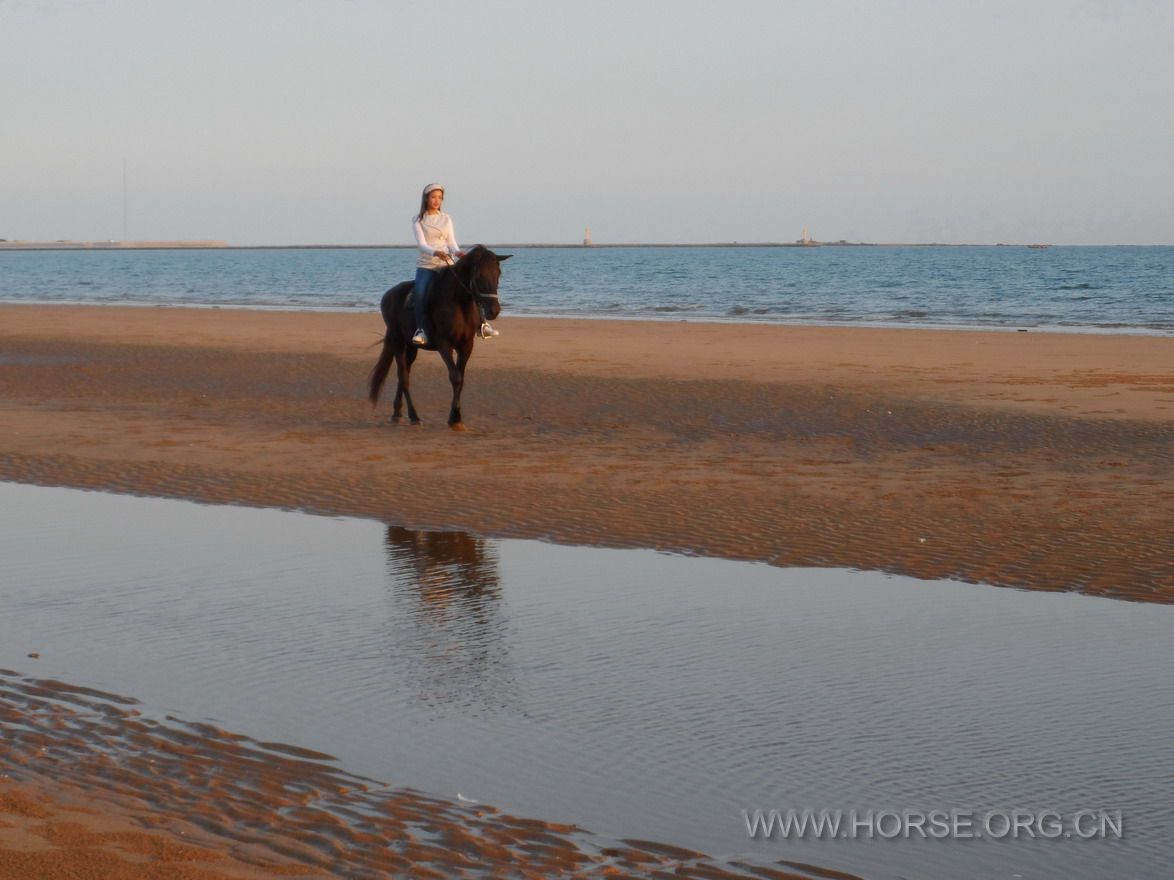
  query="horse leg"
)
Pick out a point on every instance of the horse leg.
point(397, 408)
point(403, 372)
point(456, 375)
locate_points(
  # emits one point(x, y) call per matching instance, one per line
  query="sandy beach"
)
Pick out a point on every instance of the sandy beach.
point(1027, 460)
point(1017, 459)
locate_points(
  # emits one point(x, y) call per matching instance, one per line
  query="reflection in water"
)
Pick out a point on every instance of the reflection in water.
point(448, 630)
point(636, 694)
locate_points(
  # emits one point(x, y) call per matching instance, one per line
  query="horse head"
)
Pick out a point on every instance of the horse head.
point(480, 271)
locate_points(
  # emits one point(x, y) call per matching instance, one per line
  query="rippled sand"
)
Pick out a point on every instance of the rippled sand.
point(1020, 459)
point(93, 788)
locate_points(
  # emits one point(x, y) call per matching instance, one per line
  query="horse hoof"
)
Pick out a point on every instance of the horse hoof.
point(458, 426)
point(416, 423)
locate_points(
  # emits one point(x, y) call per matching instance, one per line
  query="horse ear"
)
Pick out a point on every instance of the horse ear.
point(503, 257)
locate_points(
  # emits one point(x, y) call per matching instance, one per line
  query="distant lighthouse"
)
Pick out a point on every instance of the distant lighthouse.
point(587, 237)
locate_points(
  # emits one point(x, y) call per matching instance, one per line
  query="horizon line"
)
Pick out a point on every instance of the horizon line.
point(206, 244)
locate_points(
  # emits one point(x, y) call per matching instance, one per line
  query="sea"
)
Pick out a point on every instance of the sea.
point(1121, 290)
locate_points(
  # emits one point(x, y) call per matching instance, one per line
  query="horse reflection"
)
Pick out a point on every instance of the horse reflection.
point(450, 631)
point(449, 567)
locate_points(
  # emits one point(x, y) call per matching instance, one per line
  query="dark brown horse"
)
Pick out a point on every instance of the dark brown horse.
point(453, 321)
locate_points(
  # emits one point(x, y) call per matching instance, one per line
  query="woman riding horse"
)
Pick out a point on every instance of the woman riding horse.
point(458, 297)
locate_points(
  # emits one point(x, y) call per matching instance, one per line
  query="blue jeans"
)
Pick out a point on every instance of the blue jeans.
point(423, 282)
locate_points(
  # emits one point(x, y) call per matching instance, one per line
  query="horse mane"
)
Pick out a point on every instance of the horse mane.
point(473, 257)
point(467, 266)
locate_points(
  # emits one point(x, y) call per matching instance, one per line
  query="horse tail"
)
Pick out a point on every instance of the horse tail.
point(381, 369)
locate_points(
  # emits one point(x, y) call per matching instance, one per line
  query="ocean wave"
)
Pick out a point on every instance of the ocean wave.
point(1122, 288)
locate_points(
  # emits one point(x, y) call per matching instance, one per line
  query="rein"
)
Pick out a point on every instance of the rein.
point(476, 294)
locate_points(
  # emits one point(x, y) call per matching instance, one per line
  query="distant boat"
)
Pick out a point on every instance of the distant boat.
point(1039, 247)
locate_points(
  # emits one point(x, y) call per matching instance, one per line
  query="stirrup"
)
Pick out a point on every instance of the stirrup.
point(421, 338)
point(487, 331)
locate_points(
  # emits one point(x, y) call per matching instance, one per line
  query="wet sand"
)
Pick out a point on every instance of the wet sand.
point(1021, 459)
point(1028, 460)
point(93, 788)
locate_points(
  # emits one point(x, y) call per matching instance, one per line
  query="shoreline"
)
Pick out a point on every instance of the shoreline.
point(670, 318)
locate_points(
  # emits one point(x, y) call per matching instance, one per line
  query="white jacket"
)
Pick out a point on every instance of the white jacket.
point(434, 236)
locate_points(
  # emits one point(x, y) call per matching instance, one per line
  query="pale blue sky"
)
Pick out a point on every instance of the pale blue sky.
point(319, 121)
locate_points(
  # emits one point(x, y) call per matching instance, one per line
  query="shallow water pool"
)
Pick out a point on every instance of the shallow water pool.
point(633, 693)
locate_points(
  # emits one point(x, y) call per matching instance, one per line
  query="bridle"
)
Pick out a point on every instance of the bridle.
point(477, 295)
